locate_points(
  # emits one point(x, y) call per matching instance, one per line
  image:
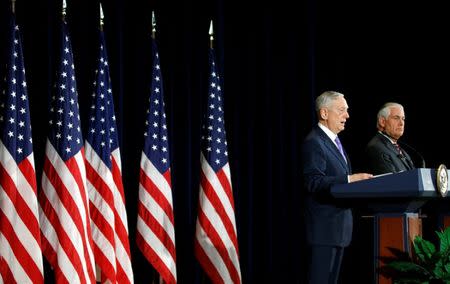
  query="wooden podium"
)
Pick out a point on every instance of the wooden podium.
point(394, 230)
point(394, 201)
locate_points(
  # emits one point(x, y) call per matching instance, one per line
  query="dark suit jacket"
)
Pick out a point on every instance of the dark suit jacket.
point(327, 223)
point(381, 157)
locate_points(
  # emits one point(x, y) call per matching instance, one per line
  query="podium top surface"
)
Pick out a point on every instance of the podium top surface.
point(417, 183)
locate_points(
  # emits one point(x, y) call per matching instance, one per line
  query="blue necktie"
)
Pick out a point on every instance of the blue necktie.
point(341, 149)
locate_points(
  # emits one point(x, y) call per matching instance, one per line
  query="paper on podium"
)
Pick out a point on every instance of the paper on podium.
point(382, 175)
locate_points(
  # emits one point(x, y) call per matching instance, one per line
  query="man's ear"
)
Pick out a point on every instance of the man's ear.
point(382, 122)
point(323, 113)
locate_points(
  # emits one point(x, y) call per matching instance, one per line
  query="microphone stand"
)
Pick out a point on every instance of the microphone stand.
point(409, 148)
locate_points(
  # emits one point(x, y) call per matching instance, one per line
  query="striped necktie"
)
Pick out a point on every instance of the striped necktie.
point(399, 150)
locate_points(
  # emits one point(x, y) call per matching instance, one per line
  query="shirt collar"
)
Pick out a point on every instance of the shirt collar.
point(328, 132)
point(389, 138)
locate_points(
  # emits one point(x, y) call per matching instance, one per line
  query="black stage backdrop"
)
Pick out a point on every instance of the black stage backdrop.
point(274, 59)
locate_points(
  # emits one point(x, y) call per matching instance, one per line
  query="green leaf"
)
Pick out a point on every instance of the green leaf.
point(426, 266)
point(446, 276)
point(447, 267)
point(405, 266)
point(423, 249)
point(444, 239)
point(438, 273)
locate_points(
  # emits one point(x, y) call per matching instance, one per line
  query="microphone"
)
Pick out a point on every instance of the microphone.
point(422, 160)
point(405, 160)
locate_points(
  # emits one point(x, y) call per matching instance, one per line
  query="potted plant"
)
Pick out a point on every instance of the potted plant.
point(426, 265)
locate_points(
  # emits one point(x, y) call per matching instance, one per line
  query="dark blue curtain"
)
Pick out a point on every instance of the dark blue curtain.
point(274, 59)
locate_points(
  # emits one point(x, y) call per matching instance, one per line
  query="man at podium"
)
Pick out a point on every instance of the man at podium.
point(384, 155)
point(383, 152)
point(324, 164)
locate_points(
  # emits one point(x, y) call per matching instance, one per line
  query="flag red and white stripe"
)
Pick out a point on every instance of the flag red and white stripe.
point(216, 244)
point(64, 216)
point(155, 234)
point(109, 218)
point(20, 241)
point(104, 175)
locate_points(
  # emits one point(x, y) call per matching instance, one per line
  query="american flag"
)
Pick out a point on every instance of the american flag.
point(104, 176)
point(155, 235)
point(216, 245)
point(20, 241)
point(64, 216)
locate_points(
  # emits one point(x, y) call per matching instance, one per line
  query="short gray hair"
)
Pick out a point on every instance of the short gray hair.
point(385, 110)
point(325, 99)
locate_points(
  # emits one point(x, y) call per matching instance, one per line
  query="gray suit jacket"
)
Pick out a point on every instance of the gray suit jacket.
point(381, 157)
